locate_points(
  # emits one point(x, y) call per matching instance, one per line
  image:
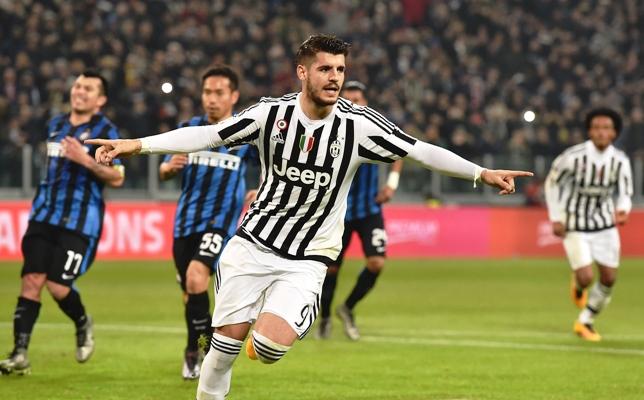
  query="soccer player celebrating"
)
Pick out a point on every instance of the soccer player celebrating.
point(579, 193)
point(65, 220)
point(311, 143)
point(212, 196)
point(364, 216)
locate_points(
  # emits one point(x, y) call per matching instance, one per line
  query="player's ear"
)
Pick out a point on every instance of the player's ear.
point(235, 96)
point(301, 72)
point(101, 101)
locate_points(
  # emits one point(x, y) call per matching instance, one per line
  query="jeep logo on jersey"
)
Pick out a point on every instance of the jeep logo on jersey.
point(302, 177)
point(306, 143)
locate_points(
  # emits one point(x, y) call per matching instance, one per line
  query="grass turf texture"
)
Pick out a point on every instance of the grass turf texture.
point(432, 330)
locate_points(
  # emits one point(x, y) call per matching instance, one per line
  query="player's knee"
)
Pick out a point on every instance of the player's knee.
point(607, 279)
point(32, 285)
point(375, 264)
point(266, 350)
point(57, 290)
point(584, 276)
point(197, 277)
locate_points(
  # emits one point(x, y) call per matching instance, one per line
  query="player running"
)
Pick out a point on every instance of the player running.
point(364, 216)
point(311, 144)
point(579, 193)
point(212, 196)
point(65, 220)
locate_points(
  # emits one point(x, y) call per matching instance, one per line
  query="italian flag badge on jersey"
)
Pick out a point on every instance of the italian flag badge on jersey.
point(306, 143)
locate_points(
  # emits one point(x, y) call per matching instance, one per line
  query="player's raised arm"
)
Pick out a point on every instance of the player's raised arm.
point(243, 128)
point(382, 141)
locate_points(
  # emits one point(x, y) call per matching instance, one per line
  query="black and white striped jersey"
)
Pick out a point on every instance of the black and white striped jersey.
point(582, 183)
point(307, 167)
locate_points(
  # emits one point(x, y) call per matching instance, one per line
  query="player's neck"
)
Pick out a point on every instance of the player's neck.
point(77, 118)
point(312, 110)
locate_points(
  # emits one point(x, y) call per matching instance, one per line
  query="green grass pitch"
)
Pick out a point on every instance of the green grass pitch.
point(433, 329)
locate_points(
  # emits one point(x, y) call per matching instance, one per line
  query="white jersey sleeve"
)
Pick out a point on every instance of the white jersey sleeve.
point(557, 185)
point(625, 187)
point(382, 141)
point(241, 129)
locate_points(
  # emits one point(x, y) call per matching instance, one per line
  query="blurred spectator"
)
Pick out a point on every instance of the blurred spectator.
point(466, 69)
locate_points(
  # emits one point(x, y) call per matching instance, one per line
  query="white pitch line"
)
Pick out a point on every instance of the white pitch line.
point(496, 334)
point(501, 345)
point(384, 339)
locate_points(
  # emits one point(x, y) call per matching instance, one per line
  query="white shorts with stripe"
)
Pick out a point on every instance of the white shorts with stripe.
point(251, 279)
point(582, 248)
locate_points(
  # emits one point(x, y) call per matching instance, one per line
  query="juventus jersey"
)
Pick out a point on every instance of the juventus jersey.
point(307, 167)
point(581, 185)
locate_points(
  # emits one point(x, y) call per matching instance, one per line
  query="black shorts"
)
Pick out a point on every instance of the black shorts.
point(62, 254)
point(371, 231)
point(204, 247)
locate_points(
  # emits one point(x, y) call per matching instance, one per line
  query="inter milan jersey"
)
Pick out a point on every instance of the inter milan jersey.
point(307, 167)
point(71, 196)
point(361, 202)
point(212, 188)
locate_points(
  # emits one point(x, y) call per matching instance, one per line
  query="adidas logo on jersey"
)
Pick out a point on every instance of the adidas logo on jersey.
point(303, 177)
point(277, 137)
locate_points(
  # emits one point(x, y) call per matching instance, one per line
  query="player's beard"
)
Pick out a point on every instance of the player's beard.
point(318, 100)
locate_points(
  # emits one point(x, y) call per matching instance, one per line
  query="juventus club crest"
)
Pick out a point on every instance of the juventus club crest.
point(335, 148)
point(306, 143)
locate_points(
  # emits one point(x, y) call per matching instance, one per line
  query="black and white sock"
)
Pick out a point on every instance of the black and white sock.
point(24, 319)
point(72, 306)
point(198, 319)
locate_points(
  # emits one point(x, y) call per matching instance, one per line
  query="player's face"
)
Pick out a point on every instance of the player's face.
point(356, 96)
point(323, 78)
point(217, 98)
point(86, 95)
point(602, 131)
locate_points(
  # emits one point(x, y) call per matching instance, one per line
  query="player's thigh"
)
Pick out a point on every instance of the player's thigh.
point(373, 235)
point(73, 257)
point(38, 248)
point(241, 279)
point(295, 297)
point(577, 247)
point(605, 247)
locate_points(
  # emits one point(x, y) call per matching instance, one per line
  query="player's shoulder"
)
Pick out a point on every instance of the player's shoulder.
point(194, 121)
point(575, 150)
point(621, 154)
point(287, 98)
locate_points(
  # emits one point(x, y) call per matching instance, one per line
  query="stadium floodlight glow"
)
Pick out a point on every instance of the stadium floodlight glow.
point(529, 116)
point(166, 87)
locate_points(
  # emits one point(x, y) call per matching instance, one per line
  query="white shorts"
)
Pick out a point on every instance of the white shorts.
point(251, 279)
point(583, 248)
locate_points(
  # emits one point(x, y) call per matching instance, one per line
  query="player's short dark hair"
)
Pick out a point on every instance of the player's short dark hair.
point(225, 71)
point(320, 43)
point(605, 112)
point(355, 85)
point(92, 73)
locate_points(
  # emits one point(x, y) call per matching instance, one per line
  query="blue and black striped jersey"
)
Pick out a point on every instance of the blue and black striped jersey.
point(362, 196)
point(71, 196)
point(212, 187)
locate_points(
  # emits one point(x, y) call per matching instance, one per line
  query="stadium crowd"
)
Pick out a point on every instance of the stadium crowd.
point(456, 73)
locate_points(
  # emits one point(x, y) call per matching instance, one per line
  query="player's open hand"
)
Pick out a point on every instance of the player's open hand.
point(502, 179)
point(117, 148)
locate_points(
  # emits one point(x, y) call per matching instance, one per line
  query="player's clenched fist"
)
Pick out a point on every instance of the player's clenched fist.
point(111, 149)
